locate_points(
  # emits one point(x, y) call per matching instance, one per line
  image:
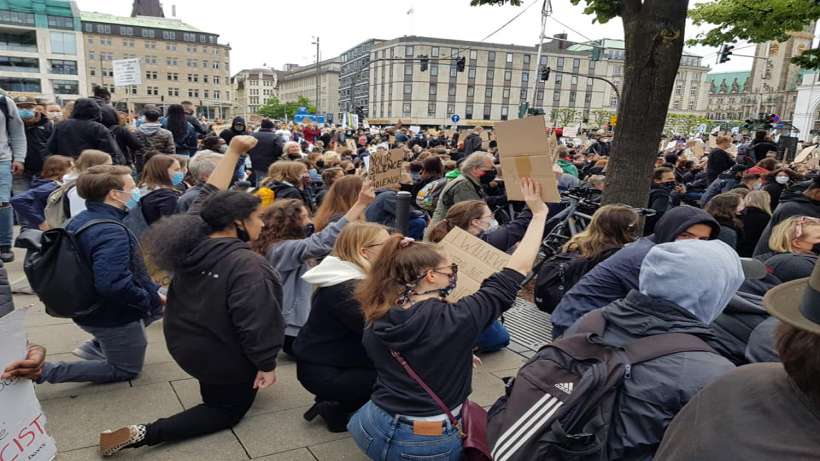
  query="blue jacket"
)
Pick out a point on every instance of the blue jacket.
point(30, 206)
point(126, 291)
point(617, 275)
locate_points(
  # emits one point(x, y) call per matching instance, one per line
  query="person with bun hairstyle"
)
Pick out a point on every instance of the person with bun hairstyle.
point(407, 315)
point(223, 320)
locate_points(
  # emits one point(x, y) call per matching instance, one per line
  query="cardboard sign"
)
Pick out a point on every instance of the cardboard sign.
point(571, 132)
point(476, 261)
point(392, 140)
point(351, 144)
point(804, 154)
point(22, 422)
point(712, 141)
point(385, 168)
point(526, 152)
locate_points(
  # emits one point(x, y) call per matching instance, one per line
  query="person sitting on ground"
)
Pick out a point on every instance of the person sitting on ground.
point(159, 177)
point(719, 159)
point(778, 403)
point(331, 362)
point(671, 298)
point(329, 176)
point(407, 318)
point(30, 206)
point(127, 296)
point(614, 278)
point(340, 198)
point(223, 321)
point(726, 208)
point(289, 243)
point(778, 181)
point(288, 180)
point(200, 167)
point(665, 194)
point(805, 204)
point(756, 214)
point(795, 245)
point(477, 169)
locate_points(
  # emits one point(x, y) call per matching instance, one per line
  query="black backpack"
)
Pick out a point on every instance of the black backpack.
point(560, 273)
point(60, 274)
point(561, 404)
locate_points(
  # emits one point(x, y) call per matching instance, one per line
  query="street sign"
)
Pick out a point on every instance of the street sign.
point(127, 72)
point(455, 118)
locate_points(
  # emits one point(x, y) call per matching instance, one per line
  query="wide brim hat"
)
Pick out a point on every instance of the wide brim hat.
point(797, 302)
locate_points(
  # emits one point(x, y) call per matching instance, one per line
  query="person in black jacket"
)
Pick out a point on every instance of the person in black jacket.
point(778, 181)
point(755, 217)
point(268, 149)
point(126, 139)
point(719, 160)
point(83, 131)
point(472, 142)
point(330, 359)
point(238, 127)
point(664, 194)
point(38, 131)
point(288, 180)
point(762, 145)
point(108, 115)
point(408, 318)
point(223, 321)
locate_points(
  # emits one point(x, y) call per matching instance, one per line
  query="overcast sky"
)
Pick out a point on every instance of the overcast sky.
point(272, 33)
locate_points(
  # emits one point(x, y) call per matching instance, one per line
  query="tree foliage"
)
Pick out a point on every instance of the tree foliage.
point(274, 108)
point(685, 124)
point(756, 21)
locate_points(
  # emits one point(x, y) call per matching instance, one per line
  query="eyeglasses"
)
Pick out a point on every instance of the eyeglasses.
point(453, 269)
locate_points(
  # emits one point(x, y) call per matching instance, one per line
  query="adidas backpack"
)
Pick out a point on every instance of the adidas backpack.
point(561, 404)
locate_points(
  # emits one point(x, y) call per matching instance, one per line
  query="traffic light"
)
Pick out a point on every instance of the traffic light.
point(545, 73)
point(460, 62)
point(424, 62)
point(726, 53)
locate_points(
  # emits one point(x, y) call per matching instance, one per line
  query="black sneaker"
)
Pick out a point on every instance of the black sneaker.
point(6, 255)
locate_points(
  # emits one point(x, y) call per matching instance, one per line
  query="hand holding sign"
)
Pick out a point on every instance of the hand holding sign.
point(29, 368)
point(531, 191)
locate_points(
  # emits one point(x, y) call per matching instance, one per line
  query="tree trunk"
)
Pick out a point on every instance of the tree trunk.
point(653, 32)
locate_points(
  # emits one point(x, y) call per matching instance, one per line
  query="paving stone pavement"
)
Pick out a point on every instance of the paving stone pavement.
point(273, 429)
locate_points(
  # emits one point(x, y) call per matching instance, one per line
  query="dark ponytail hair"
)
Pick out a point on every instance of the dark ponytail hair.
point(459, 215)
point(400, 264)
point(169, 240)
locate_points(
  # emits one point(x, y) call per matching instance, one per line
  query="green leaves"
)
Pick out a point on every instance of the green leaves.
point(752, 20)
point(274, 108)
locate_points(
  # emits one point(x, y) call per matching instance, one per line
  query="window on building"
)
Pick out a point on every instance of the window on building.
point(148, 33)
point(59, 66)
point(491, 56)
point(525, 76)
point(408, 89)
point(434, 51)
point(103, 28)
point(539, 95)
point(473, 54)
point(22, 41)
point(431, 109)
point(453, 71)
point(188, 37)
point(505, 112)
point(171, 61)
point(30, 85)
point(171, 46)
point(12, 17)
point(509, 58)
point(471, 73)
point(216, 94)
point(587, 98)
point(468, 111)
point(487, 111)
point(216, 79)
point(433, 70)
point(13, 64)
point(523, 94)
point(451, 91)
point(559, 63)
point(433, 89)
point(60, 22)
point(543, 60)
point(66, 86)
point(127, 31)
point(572, 95)
point(470, 91)
point(488, 92)
point(451, 109)
point(63, 43)
point(506, 93)
point(169, 35)
point(405, 108)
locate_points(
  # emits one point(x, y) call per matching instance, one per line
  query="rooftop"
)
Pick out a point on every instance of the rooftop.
point(612, 43)
point(717, 78)
point(139, 21)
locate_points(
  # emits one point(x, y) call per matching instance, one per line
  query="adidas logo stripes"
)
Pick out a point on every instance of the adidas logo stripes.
point(530, 422)
point(565, 387)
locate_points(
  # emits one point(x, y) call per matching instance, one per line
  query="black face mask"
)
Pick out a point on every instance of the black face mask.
point(242, 233)
point(816, 249)
point(668, 185)
point(309, 230)
point(489, 176)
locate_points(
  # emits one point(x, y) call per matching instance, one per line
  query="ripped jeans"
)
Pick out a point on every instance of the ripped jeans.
point(6, 214)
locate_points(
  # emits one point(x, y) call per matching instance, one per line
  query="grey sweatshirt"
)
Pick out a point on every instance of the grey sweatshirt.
point(17, 151)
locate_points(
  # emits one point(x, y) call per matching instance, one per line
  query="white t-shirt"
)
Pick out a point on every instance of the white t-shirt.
point(76, 202)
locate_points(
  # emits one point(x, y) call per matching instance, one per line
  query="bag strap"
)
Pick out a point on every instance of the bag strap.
point(409, 370)
point(594, 322)
point(652, 347)
point(94, 222)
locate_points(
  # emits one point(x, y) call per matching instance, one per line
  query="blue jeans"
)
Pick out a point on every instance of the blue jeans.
point(6, 213)
point(494, 338)
point(122, 353)
point(390, 438)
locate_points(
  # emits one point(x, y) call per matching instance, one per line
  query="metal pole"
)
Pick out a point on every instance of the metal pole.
point(317, 75)
point(403, 211)
point(546, 10)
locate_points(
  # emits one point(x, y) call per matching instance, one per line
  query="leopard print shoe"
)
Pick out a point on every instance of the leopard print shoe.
point(112, 442)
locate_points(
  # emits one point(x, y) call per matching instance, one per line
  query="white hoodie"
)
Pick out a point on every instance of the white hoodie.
point(332, 271)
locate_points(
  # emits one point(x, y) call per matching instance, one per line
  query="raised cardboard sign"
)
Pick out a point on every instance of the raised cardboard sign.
point(804, 154)
point(476, 261)
point(385, 167)
point(22, 422)
point(527, 152)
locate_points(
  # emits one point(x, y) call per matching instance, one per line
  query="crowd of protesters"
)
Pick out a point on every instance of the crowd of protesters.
point(262, 241)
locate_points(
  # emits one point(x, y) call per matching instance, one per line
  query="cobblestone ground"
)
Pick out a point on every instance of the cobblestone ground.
point(273, 430)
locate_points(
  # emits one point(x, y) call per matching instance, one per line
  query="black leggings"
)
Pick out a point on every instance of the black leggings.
point(349, 386)
point(223, 407)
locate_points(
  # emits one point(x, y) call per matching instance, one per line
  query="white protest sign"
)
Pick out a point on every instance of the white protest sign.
point(804, 154)
point(476, 259)
point(22, 422)
point(127, 72)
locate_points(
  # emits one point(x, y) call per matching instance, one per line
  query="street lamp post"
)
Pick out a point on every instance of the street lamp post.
point(316, 42)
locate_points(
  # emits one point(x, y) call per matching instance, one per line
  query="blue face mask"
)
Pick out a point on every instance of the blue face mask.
point(134, 201)
point(26, 114)
point(176, 178)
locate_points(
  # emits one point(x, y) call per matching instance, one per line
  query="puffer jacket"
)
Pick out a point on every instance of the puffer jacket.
point(658, 388)
point(155, 140)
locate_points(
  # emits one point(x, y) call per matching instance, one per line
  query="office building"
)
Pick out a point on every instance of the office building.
point(178, 61)
point(354, 79)
point(498, 78)
point(251, 89)
point(41, 50)
point(301, 82)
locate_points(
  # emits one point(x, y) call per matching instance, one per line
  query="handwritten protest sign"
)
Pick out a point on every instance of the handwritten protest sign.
point(476, 261)
point(385, 167)
point(22, 422)
point(804, 154)
point(527, 152)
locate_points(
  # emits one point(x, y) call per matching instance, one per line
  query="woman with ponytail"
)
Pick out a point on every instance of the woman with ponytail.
point(223, 321)
point(407, 315)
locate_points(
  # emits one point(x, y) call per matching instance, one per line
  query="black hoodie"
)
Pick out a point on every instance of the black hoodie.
point(223, 320)
point(228, 133)
point(436, 338)
point(615, 277)
point(83, 131)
